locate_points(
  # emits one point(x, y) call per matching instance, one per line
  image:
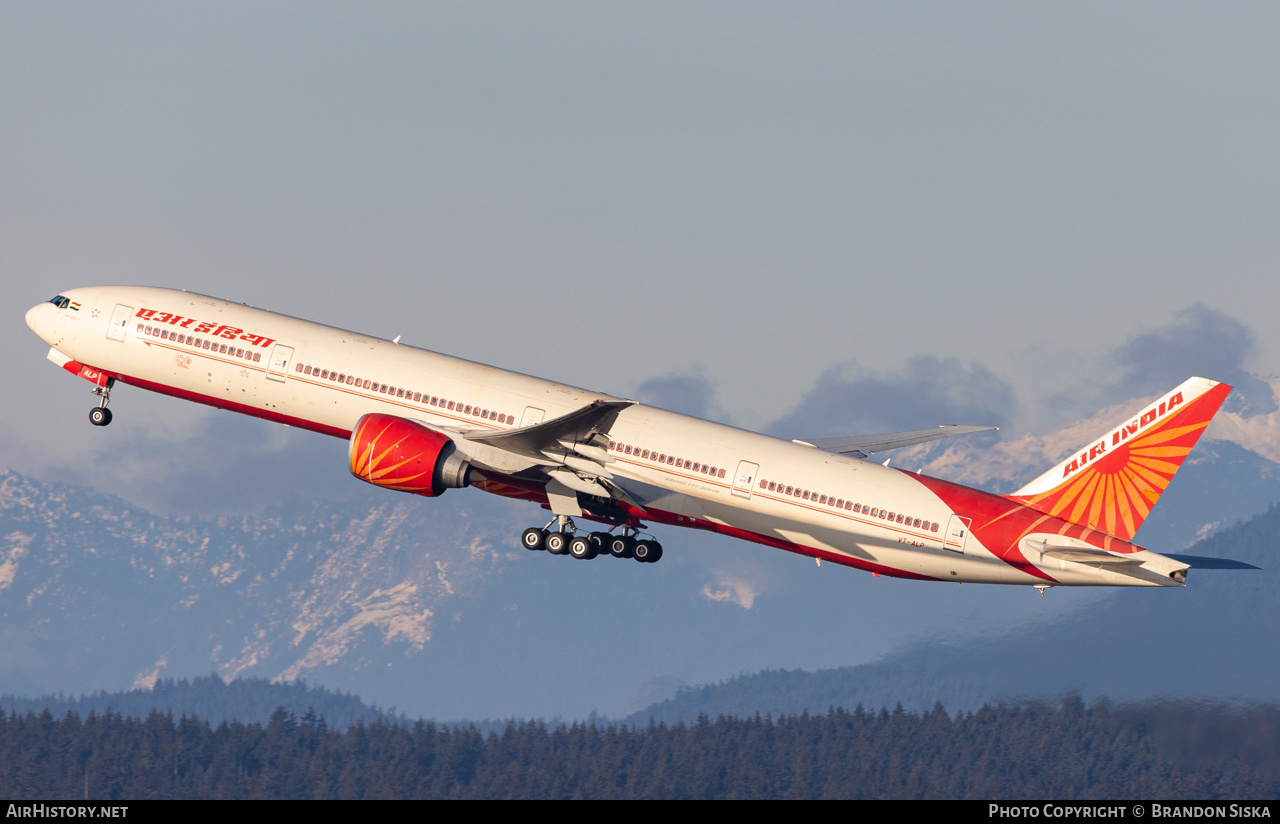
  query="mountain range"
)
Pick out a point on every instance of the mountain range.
point(431, 607)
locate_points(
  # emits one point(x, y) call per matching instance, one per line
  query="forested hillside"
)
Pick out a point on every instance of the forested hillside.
point(1219, 637)
point(244, 699)
point(1071, 751)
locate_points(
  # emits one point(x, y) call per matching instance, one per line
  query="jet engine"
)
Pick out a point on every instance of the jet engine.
point(397, 453)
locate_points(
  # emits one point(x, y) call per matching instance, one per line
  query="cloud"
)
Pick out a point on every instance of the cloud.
point(218, 464)
point(733, 590)
point(1198, 341)
point(850, 399)
point(689, 394)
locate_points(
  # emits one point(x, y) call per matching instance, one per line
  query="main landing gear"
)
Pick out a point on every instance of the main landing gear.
point(566, 541)
point(101, 415)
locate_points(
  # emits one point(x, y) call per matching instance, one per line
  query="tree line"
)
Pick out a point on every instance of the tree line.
point(1033, 750)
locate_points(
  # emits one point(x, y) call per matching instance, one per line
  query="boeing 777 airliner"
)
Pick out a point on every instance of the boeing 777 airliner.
point(422, 423)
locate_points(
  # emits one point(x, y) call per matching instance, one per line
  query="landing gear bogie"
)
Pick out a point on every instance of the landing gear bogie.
point(566, 541)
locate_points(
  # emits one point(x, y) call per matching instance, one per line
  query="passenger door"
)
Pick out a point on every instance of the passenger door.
point(278, 365)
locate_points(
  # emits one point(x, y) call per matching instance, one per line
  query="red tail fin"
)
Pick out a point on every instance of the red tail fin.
point(1112, 483)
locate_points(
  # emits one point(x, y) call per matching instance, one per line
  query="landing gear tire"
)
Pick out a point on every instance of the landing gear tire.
point(534, 539)
point(621, 546)
point(582, 548)
point(600, 541)
point(557, 543)
point(100, 416)
point(648, 552)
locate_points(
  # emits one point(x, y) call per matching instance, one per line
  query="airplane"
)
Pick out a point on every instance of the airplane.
point(423, 423)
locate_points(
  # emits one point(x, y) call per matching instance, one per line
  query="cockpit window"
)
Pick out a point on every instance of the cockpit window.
point(60, 301)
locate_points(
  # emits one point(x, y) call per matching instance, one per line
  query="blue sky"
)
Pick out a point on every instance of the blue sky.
point(608, 193)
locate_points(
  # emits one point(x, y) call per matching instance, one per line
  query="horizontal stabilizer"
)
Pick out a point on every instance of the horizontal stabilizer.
point(860, 446)
point(1203, 562)
point(1089, 556)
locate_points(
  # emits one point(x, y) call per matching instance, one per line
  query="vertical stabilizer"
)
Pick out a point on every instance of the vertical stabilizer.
point(1112, 483)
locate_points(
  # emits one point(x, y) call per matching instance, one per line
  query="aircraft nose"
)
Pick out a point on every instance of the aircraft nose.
point(33, 317)
point(36, 318)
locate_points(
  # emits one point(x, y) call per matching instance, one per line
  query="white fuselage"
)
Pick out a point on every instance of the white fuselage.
point(718, 477)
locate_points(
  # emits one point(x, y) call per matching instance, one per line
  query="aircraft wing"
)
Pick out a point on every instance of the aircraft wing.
point(860, 446)
point(571, 451)
point(560, 436)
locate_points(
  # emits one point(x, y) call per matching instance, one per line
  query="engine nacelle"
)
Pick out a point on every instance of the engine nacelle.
point(397, 453)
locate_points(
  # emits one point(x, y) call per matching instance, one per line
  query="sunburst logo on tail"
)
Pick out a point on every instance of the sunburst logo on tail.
point(1112, 483)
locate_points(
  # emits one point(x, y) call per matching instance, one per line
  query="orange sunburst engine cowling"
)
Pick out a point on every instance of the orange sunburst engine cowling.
point(397, 453)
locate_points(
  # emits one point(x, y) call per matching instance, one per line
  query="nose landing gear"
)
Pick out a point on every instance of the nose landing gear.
point(101, 415)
